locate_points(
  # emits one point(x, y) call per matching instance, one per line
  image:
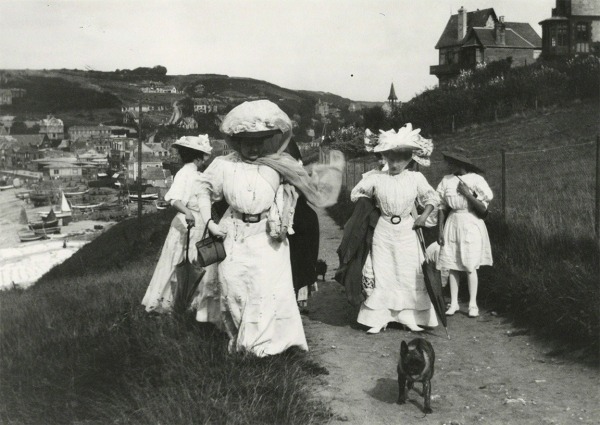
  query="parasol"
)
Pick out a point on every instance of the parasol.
point(188, 278)
point(433, 283)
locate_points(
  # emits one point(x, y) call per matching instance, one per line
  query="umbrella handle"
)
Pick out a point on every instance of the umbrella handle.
point(187, 245)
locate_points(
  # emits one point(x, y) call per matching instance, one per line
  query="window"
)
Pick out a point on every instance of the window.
point(582, 37)
point(562, 37)
point(56, 172)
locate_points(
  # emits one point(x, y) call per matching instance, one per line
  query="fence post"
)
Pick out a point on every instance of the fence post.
point(504, 183)
point(453, 127)
point(597, 216)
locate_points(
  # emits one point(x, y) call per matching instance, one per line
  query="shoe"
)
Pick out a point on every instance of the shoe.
point(452, 310)
point(375, 330)
point(473, 312)
point(415, 328)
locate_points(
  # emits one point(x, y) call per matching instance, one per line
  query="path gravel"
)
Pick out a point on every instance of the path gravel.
point(487, 373)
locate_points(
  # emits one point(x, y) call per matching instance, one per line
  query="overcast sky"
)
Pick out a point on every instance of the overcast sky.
point(352, 48)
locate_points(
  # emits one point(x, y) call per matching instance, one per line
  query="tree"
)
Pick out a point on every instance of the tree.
point(375, 119)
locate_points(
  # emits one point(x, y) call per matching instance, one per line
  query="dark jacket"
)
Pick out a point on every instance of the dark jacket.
point(355, 246)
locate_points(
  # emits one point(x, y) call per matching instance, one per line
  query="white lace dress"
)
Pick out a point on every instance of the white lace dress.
point(399, 294)
point(258, 302)
point(159, 295)
point(466, 241)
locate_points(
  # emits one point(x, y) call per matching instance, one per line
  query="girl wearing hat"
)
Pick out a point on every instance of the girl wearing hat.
point(464, 241)
point(399, 294)
point(258, 181)
point(183, 196)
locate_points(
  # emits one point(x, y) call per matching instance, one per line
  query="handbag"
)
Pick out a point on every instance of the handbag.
point(210, 248)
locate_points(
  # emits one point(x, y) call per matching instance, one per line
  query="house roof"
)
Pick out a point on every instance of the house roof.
point(61, 165)
point(476, 18)
point(29, 139)
point(486, 37)
point(155, 173)
point(156, 147)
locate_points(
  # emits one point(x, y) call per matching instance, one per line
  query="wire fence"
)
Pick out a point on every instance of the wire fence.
point(556, 188)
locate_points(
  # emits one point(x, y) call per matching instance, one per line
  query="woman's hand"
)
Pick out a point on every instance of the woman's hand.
point(463, 189)
point(441, 240)
point(420, 221)
point(190, 219)
point(216, 230)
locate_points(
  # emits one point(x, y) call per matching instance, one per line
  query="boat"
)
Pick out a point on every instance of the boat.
point(64, 213)
point(162, 205)
point(22, 195)
point(146, 197)
point(10, 186)
point(50, 222)
point(86, 206)
point(44, 231)
point(41, 197)
point(82, 192)
point(29, 236)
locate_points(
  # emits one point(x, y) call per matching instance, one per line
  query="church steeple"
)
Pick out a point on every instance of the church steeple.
point(392, 98)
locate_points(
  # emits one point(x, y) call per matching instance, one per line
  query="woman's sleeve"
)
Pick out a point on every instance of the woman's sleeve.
point(441, 191)
point(211, 183)
point(364, 188)
point(483, 191)
point(179, 188)
point(425, 193)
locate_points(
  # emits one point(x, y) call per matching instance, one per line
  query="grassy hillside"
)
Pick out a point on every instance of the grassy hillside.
point(79, 348)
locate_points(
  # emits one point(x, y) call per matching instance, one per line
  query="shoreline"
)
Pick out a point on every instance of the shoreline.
point(23, 263)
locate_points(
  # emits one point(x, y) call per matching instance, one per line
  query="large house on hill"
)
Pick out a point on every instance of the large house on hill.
point(573, 29)
point(481, 36)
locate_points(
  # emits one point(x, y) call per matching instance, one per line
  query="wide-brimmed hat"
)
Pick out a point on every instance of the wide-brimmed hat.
point(464, 160)
point(256, 119)
point(406, 139)
point(200, 143)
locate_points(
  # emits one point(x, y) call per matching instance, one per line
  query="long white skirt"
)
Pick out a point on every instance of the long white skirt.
point(258, 302)
point(399, 294)
point(159, 295)
point(466, 243)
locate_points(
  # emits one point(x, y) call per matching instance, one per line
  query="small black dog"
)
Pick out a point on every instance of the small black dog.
point(321, 269)
point(416, 365)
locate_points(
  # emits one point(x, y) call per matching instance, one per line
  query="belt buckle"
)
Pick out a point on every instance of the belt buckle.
point(251, 218)
point(395, 219)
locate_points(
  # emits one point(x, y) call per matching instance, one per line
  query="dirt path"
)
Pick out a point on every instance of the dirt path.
point(483, 374)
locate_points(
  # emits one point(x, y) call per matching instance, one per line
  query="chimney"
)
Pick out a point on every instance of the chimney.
point(462, 23)
point(500, 31)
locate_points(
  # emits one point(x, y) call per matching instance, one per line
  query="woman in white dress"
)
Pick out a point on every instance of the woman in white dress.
point(183, 196)
point(258, 302)
point(464, 241)
point(399, 294)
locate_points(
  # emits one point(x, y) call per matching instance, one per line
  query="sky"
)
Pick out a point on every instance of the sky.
point(352, 48)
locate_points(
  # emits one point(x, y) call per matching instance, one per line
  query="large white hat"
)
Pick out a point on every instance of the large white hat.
point(200, 143)
point(258, 118)
point(405, 139)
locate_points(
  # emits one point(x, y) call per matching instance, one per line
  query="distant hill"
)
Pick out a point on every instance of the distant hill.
point(89, 96)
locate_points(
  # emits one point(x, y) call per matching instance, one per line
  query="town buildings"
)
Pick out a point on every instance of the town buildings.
point(573, 29)
point(470, 38)
point(77, 132)
point(52, 127)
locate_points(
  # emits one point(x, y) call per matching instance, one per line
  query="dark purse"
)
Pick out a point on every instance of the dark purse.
point(210, 249)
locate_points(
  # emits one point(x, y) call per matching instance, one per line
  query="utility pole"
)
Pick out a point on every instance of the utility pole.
point(139, 177)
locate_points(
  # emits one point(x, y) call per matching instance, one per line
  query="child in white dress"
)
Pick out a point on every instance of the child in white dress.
point(464, 241)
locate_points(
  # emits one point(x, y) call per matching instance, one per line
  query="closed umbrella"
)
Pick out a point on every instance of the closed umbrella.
point(433, 283)
point(188, 279)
